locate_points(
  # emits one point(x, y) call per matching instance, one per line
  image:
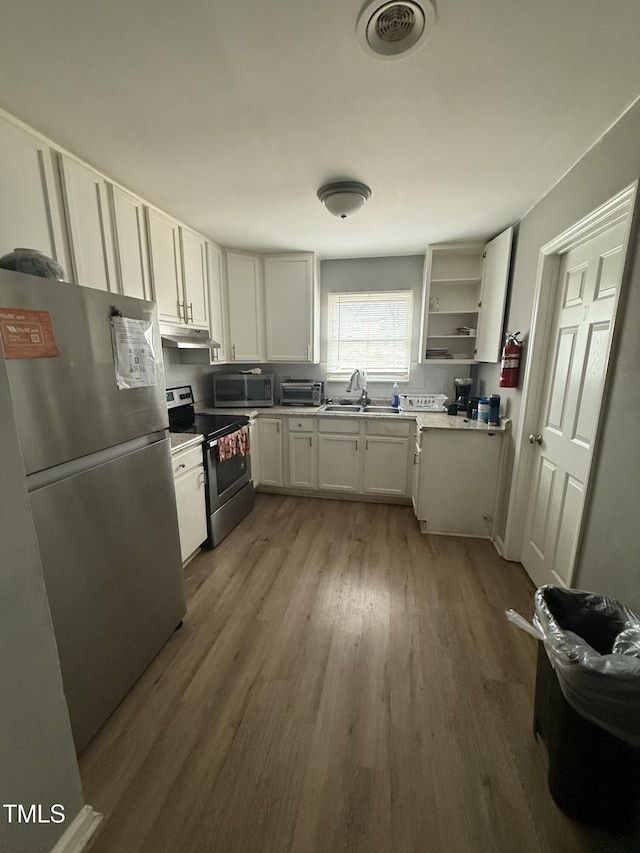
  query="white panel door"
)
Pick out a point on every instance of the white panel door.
point(90, 237)
point(578, 354)
point(288, 294)
point(130, 233)
point(339, 462)
point(244, 301)
point(191, 509)
point(29, 216)
point(166, 266)
point(493, 296)
point(302, 461)
point(270, 451)
point(195, 271)
point(216, 303)
point(385, 465)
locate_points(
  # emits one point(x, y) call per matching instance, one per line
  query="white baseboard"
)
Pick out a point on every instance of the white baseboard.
point(499, 545)
point(79, 831)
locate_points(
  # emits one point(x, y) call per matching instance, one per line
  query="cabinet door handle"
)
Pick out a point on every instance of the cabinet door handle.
point(366, 444)
point(233, 350)
point(278, 426)
point(191, 311)
point(310, 441)
point(182, 465)
point(415, 458)
point(356, 443)
point(182, 311)
point(202, 479)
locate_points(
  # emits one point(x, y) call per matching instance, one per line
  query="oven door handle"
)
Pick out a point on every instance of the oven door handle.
point(212, 444)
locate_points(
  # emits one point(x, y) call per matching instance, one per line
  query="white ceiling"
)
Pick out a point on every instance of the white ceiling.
point(230, 115)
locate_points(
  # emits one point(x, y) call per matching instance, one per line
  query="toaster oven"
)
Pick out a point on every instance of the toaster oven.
point(301, 392)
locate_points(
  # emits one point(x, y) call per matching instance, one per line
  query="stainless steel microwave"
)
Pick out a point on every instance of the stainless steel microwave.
point(242, 390)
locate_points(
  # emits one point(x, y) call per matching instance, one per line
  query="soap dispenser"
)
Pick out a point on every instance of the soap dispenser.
point(395, 401)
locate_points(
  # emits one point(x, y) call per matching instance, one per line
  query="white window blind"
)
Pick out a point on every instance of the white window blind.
point(371, 331)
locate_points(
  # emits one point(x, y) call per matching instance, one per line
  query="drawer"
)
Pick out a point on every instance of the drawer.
point(387, 426)
point(301, 424)
point(349, 425)
point(187, 460)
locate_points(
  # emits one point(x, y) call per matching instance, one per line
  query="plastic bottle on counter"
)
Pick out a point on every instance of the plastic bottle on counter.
point(483, 410)
point(494, 410)
point(395, 401)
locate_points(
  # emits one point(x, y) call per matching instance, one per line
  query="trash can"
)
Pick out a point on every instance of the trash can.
point(587, 705)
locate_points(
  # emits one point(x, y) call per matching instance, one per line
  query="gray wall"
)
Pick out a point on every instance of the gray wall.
point(37, 756)
point(607, 559)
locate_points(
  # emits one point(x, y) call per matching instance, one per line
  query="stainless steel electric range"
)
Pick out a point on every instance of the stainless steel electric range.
point(227, 461)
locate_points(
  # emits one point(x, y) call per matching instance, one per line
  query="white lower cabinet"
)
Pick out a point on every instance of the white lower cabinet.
point(189, 482)
point(386, 449)
point(303, 468)
point(339, 447)
point(456, 486)
point(270, 451)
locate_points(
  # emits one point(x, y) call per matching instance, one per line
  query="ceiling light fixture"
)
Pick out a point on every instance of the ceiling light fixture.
point(344, 198)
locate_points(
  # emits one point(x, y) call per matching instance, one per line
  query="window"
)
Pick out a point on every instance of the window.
point(370, 331)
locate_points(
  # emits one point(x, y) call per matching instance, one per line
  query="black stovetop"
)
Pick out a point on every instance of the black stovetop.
point(211, 426)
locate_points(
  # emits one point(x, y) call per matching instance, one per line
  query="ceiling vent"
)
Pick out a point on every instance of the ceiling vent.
point(395, 29)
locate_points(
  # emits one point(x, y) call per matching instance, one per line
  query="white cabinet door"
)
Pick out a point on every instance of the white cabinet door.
point(90, 237)
point(290, 307)
point(195, 275)
point(385, 465)
point(270, 451)
point(339, 462)
point(130, 234)
point(29, 214)
point(302, 460)
point(192, 517)
point(244, 301)
point(166, 266)
point(255, 451)
point(458, 481)
point(216, 304)
point(493, 296)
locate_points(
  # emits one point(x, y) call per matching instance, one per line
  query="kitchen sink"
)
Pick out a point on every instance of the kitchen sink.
point(381, 410)
point(350, 409)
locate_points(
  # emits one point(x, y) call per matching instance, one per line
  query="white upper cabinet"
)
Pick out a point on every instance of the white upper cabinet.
point(291, 308)
point(465, 293)
point(244, 304)
point(493, 296)
point(216, 303)
point(195, 277)
point(166, 266)
point(90, 237)
point(130, 234)
point(29, 214)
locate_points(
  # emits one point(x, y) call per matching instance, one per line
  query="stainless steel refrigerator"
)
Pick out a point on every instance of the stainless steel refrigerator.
point(88, 395)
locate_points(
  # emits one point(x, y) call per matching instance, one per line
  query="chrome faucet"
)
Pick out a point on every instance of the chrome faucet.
point(358, 382)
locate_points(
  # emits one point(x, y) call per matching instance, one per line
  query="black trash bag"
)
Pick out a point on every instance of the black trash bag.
point(593, 643)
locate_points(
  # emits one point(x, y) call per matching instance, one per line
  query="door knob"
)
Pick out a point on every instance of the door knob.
point(535, 439)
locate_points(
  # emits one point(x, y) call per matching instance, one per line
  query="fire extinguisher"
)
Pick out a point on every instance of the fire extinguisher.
point(510, 368)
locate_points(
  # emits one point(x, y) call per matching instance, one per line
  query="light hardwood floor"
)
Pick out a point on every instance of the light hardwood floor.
point(341, 683)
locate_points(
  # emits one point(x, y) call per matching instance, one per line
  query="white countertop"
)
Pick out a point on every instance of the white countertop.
point(424, 420)
point(184, 440)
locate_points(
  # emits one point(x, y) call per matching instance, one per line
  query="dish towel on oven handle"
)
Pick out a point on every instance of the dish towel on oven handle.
point(234, 444)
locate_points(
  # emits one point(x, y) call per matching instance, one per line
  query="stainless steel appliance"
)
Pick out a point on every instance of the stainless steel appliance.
point(301, 392)
point(227, 459)
point(242, 390)
point(99, 477)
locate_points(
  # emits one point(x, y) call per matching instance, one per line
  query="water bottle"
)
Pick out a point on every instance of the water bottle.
point(483, 410)
point(494, 410)
point(395, 401)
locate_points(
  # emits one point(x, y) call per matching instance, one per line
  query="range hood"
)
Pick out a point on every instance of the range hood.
point(184, 337)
